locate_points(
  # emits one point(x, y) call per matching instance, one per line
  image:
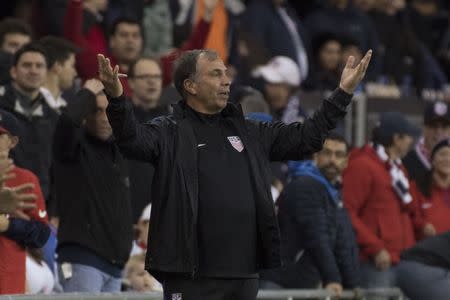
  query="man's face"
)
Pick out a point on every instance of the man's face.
point(146, 83)
point(435, 132)
point(14, 41)
point(68, 73)
point(211, 87)
point(97, 122)
point(126, 43)
point(277, 95)
point(30, 71)
point(332, 159)
point(330, 56)
point(441, 161)
point(403, 143)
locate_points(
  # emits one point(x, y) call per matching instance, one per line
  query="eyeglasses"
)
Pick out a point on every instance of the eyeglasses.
point(148, 76)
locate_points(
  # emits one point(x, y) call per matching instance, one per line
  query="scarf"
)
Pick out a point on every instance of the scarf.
point(423, 154)
point(399, 181)
point(308, 168)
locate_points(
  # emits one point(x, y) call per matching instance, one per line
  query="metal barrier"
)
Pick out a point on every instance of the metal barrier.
point(363, 113)
point(392, 293)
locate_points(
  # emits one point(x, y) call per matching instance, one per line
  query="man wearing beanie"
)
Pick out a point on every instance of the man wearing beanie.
point(377, 195)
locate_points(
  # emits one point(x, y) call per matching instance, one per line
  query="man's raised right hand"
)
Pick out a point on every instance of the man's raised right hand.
point(109, 76)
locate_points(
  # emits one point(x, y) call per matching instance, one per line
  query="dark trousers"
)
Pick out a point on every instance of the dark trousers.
point(419, 281)
point(179, 288)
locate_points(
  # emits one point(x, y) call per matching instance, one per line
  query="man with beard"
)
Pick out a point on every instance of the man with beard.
point(318, 244)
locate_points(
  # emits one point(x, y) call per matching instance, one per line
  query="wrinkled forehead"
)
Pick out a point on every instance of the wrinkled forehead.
point(147, 65)
point(335, 145)
point(128, 28)
point(31, 57)
point(17, 35)
point(205, 64)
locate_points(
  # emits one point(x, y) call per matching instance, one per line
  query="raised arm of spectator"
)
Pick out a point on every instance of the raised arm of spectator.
point(29, 233)
point(137, 141)
point(73, 31)
point(356, 190)
point(68, 131)
point(305, 204)
point(294, 141)
point(196, 41)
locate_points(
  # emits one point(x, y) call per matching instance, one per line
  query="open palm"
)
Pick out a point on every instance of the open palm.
point(352, 76)
point(109, 76)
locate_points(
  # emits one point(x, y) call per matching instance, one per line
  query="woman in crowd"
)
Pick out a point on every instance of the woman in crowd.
point(433, 193)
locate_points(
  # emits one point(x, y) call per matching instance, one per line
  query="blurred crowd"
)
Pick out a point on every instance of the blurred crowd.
point(368, 217)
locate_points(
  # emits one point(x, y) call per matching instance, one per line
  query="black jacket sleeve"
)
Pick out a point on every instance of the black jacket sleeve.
point(68, 131)
point(135, 141)
point(347, 251)
point(305, 200)
point(297, 140)
point(33, 234)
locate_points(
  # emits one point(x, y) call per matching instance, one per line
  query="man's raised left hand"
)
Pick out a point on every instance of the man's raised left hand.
point(352, 76)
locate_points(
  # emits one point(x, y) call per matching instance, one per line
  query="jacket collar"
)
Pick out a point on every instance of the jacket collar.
point(231, 110)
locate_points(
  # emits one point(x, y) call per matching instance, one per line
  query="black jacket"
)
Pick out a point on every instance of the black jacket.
point(317, 239)
point(141, 173)
point(169, 143)
point(36, 134)
point(91, 187)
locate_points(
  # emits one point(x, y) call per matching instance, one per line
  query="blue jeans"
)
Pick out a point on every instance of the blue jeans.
point(88, 279)
point(419, 281)
point(371, 277)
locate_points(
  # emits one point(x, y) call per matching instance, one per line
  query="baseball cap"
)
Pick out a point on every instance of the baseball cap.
point(436, 111)
point(9, 123)
point(391, 123)
point(145, 216)
point(280, 69)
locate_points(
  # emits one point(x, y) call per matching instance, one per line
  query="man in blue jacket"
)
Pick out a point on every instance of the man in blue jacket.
point(213, 220)
point(318, 243)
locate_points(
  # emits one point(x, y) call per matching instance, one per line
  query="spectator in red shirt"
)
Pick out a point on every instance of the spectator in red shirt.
point(376, 192)
point(433, 192)
point(24, 228)
point(125, 42)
